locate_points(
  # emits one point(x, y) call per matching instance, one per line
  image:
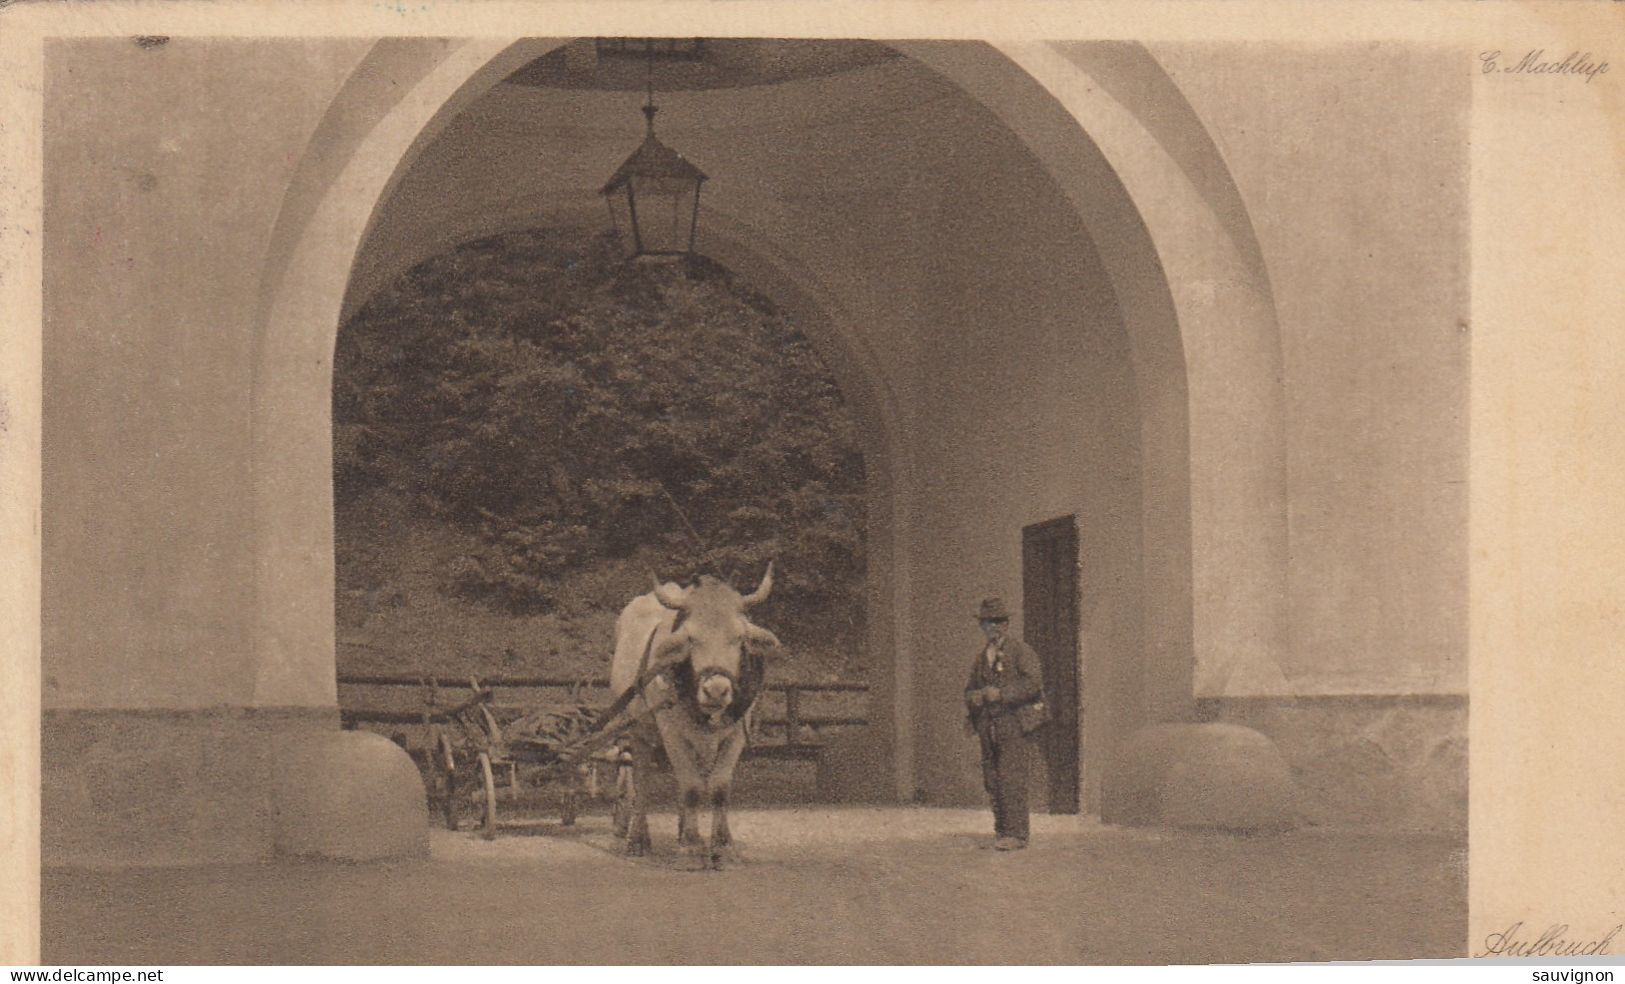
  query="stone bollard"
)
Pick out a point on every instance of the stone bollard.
point(1213, 776)
point(349, 796)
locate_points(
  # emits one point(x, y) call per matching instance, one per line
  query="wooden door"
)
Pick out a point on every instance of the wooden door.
point(1049, 580)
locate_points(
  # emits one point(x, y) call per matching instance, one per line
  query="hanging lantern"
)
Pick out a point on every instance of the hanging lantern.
point(655, 196)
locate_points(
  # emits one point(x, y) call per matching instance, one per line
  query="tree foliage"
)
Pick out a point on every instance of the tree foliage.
point(571, 408)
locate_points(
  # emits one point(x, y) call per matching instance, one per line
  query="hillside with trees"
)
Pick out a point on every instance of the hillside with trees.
point(525, 427)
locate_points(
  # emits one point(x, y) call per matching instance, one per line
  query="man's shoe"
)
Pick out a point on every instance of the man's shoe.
point(1009, 844)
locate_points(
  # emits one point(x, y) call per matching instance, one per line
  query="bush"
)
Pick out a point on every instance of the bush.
point(571, 410)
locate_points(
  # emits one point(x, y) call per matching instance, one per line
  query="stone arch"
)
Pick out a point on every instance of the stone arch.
point(369, 137)
point(816, 310)
point(1204, 349)
point(1206, 345)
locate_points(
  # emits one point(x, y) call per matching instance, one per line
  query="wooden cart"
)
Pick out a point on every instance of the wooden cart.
point(566, 749)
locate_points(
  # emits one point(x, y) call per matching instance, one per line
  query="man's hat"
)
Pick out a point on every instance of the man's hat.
point(993, 610)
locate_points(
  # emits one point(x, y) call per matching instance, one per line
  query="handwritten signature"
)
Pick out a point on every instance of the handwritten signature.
point(1554, 942)
point(1535, 62)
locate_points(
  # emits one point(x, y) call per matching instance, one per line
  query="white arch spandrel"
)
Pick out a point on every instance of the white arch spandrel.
point(1226, 368)
point(292, 374)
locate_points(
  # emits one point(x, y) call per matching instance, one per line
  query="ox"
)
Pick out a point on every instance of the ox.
point(692, 648)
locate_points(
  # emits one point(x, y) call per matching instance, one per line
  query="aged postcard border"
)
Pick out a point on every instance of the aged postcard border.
point(1547, 546)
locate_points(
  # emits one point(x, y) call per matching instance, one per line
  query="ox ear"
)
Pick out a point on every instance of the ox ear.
point(759, 636)
point(669, 595)
point(672, 649)
point(762, 590)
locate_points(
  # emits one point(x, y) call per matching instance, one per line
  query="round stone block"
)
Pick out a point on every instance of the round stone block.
point(1221, 776)
point(350, 796)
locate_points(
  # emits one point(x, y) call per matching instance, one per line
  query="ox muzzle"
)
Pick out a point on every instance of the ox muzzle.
point(714, 691)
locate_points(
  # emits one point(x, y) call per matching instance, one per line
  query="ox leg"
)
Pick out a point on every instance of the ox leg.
point(678, 740)
point(637, 828)
point(721, 838)
point(688, 821)
point(720, 782)
point(688, 816)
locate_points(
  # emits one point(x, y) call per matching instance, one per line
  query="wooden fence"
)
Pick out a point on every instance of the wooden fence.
point(793, 732)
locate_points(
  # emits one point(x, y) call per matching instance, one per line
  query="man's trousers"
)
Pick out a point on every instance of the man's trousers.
point(1005, 764)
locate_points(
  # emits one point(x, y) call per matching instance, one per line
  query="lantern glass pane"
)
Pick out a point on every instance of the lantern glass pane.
point(665, 207)
point(620, 216)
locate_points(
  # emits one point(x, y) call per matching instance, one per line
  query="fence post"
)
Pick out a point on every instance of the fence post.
point(792, 715)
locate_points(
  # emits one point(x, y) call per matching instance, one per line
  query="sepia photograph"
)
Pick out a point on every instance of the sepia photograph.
point(832, 498)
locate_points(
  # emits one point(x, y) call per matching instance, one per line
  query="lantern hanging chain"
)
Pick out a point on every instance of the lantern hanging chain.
point(649, 108)
point(698, 541)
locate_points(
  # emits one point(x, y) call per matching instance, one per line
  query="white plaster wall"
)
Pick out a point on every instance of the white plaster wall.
point(1360, 205)
point(154, 240)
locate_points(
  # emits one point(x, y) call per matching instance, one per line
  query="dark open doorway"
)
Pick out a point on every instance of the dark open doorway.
point(1049, 591)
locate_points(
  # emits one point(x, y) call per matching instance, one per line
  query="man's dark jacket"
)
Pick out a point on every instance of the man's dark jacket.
point(1017, 674)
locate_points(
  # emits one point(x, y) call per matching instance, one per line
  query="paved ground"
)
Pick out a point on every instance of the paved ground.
point(813, 886)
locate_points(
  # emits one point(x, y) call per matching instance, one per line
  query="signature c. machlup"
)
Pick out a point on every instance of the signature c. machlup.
point(1535, 62)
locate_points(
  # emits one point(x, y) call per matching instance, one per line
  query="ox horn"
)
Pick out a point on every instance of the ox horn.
point(669, 595)
point(762, 590)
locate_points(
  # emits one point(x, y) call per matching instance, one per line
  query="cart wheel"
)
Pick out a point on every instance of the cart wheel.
point(448, 781)
point(490, 831)
point(623, 799)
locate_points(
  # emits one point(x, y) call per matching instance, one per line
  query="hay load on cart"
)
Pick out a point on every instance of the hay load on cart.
point(566, 750)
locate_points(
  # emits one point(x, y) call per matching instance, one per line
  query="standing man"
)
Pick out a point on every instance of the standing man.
point(1004, 697)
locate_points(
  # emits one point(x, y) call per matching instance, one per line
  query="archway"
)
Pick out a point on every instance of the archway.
point(574, 639)
point(1197, 317)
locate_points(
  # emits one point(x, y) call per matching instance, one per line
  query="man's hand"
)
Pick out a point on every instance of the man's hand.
point(990, 695)
point(973, 698)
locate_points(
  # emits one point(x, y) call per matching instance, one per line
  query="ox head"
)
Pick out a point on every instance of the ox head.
point(712, 633)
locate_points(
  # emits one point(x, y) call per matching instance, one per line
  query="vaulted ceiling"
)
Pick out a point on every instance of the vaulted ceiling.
point(694, 63)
